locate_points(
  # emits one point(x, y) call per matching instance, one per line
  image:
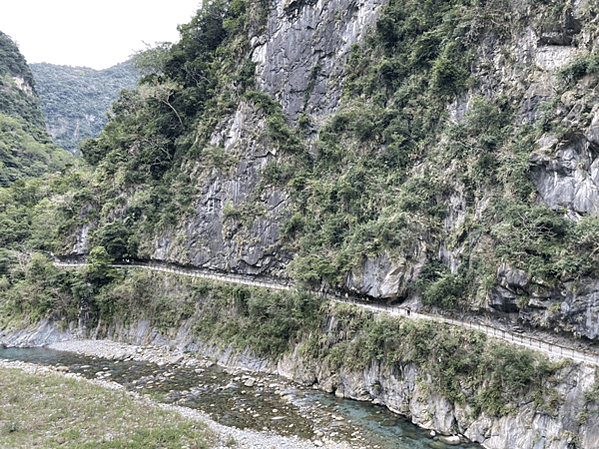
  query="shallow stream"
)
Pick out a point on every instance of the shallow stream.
point(249, 400)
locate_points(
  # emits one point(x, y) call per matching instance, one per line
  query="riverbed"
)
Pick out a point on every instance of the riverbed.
point(258, 403)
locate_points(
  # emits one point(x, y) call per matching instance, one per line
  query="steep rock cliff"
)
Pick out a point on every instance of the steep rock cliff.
point(235, 224)
point(404, 390)
point(556, 421)
point(442, 154)
point(301, 57)
point(300, 62)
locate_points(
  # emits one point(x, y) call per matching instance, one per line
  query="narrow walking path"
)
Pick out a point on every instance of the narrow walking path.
point(551, 349)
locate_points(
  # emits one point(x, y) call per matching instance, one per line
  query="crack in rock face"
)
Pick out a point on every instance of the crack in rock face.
point(300, 61)
point(566, 174)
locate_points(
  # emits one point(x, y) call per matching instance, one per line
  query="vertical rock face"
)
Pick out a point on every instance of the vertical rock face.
point(562, 32)
point(300, 59)
point(235, 225)
point(383, 279)
point(300, 62)
point(403, 390)
point(573, 311)
point(566, 173)
point(566, 170)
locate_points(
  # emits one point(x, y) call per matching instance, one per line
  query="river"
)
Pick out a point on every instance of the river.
point(248, 401)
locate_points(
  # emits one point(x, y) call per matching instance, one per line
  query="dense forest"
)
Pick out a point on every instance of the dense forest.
point(26, 149)
point(76, 100)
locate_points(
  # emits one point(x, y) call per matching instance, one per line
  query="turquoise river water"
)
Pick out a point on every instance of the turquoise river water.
point(259, 402)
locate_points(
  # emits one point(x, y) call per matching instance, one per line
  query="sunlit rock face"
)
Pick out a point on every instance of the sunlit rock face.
point(235, 225)
point(300, 62)
point(24, 85)
point(301, 57)
point(566, 173)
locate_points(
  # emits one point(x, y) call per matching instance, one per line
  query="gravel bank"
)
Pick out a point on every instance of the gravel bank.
point(246, 439)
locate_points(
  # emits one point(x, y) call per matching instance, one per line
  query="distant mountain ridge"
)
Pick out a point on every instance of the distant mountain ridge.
point(75, 100)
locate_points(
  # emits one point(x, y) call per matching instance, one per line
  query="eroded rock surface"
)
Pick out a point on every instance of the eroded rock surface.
point(402, 389)
point(301, 58)
point(566, 173)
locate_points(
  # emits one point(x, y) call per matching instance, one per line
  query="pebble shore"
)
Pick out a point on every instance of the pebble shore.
point(246, 439)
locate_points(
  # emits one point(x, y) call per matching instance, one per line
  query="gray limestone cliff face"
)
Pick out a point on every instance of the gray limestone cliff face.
point(301, 57)
point(401, 388)
point(235, 224)
point(573, 310)
point(565, 170)
point(385, 278)
point(566, 173)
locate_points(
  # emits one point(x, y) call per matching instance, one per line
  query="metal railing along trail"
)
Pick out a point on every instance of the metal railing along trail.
point(518, 339)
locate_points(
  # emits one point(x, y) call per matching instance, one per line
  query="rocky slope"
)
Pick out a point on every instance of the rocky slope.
point(236, 224)
point(19, 97)
point(438, 153)
point(564, 420)
point(449, 162)
point(539, 60)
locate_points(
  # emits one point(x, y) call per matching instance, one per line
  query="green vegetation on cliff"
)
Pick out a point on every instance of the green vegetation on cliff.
point(26, 149)
point(18, 100)
point(424, 169)
point(422, 165)
point(391, 164)
point(468, 367)
point(389, 169)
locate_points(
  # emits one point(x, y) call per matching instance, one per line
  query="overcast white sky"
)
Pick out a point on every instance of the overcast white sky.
point(96, 34)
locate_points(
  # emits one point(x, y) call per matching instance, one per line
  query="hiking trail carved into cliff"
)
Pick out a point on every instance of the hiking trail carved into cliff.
point(551, 349)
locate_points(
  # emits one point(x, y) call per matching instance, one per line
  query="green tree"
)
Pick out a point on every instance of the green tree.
point(99, 271)
point(152, 60)
point(116, 239)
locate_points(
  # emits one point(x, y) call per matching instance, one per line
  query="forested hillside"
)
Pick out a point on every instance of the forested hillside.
point(446, 169)
point(26, 149)
point(76, 100)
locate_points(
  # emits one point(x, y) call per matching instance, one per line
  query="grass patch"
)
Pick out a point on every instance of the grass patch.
point(47, 410)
